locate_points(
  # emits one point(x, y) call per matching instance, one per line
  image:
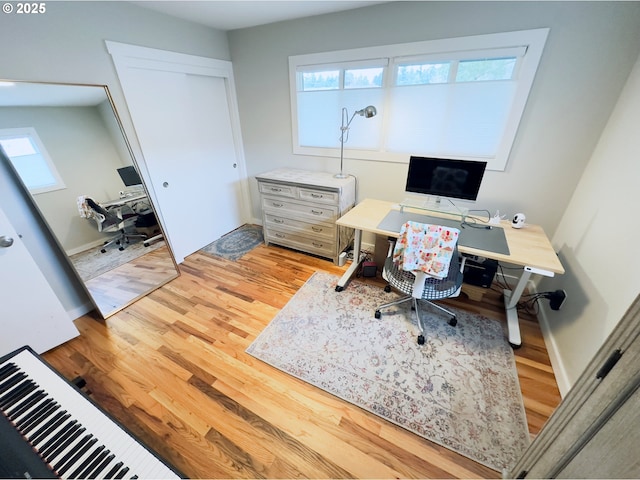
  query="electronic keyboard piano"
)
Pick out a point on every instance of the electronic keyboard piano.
point(50, 429)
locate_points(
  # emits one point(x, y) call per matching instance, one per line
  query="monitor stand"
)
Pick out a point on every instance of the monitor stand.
point(434, 204)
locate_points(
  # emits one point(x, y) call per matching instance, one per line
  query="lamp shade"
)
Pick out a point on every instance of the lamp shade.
point(368, 112)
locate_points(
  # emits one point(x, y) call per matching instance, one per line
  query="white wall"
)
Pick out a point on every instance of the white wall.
point(591, 49)
point(588, 55)
point(597, 238)
point(66, 44)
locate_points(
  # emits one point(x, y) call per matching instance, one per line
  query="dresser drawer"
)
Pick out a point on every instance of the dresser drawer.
point(318, 196)
point(278, 189)
point(318, 212)
point(318, 246)
point(324, 231)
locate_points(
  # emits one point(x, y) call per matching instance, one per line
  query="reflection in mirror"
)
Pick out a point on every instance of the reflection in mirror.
point(66, 144)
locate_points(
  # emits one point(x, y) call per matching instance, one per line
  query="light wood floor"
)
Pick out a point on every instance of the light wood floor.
point(172, 368)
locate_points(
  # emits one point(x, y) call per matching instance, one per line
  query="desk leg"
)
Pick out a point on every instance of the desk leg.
point(511, 299)
point(346, 276)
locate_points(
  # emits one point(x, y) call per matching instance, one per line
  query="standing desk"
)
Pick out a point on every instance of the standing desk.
point(529, 247)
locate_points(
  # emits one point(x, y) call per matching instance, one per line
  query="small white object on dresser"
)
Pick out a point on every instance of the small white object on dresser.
point(300, 209)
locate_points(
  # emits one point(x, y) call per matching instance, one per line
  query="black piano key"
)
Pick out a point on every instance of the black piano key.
point(51, 444)
point(111, 473)
point(73, 456)
point(46, 403)
point(17, 394)
point(8, 370)
point(100, 468)
point(39, 418)
point(122, 473)
point(26, 404)
point(11, 381)
point(53, 456)
point(48, 428)
point(97, 459)
point(86, 462)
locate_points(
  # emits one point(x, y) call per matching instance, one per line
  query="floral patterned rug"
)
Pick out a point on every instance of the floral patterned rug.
point(460, 389)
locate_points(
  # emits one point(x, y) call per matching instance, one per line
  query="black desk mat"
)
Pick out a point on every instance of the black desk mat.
point(489, 239)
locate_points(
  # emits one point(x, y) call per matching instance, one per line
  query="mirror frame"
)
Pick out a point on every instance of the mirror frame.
point(102, 311)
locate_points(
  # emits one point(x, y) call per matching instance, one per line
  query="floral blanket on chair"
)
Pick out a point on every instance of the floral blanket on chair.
point(425, 248)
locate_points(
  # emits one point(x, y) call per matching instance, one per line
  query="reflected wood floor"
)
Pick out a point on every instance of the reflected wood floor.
point(172, 367)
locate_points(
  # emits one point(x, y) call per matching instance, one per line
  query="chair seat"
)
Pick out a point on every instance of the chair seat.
point(434, 289)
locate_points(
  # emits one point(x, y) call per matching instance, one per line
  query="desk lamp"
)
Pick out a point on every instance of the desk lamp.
point(366, 112)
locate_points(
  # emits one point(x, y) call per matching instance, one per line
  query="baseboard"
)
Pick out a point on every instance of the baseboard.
point(79, 311)
point(560, 372)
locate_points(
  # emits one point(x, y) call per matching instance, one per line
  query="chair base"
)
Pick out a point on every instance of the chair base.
point(453, 321)
point(120, 240)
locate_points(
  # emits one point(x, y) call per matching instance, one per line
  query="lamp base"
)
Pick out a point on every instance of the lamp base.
point(341, 175)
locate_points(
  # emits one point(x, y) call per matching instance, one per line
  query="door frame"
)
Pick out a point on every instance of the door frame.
point(598, 393)
point(127, 56)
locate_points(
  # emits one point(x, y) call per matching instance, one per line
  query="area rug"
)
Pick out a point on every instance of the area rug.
point(92, 263)
point(235, 244)
point(460, 389)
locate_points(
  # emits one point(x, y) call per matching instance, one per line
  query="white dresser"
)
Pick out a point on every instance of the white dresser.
point(300, 208)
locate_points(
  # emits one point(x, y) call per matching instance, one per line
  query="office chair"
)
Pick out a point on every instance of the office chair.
point(112, 221)
point(420, 285)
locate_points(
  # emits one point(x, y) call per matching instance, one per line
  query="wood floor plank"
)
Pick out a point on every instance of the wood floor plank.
point(173, 368)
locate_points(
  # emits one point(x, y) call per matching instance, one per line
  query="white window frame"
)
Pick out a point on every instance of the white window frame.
point(31, 133)
point(530, 41)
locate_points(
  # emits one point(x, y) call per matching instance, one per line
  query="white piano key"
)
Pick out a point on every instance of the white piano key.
point(125, 447)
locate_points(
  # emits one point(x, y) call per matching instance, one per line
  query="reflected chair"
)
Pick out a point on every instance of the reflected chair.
point(113, 221)
point(419, 287)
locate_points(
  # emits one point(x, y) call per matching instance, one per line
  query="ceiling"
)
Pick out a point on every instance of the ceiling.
point(234, 14)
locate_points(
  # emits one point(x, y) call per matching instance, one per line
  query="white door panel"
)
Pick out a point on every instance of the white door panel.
point(30, 312)
point(184, 126)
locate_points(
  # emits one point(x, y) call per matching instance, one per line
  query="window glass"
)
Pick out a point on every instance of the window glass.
point(30, 160)
point(320, 80)
point(423, 74)
point(485, 69)
point(363, 77)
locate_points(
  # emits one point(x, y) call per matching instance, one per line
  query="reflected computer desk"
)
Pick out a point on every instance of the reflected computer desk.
point(527, 247)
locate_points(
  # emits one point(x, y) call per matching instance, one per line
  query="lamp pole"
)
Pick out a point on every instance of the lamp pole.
point(367, 112)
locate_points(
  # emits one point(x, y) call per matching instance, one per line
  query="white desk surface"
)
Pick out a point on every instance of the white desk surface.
point(124, 200)
point(528, 246)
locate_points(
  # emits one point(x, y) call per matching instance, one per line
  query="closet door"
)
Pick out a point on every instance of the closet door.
point(185, 118)
point(30, 312)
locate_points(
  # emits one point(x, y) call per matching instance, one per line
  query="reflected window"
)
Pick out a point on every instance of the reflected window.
point(30, 159)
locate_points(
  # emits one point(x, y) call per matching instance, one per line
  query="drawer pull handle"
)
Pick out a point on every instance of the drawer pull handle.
point(317, 195)
point(277, 220)
point(277, 205)
point(317, 212)
point(317, 229)
point(273, 189)
point(317, 245)
point(279, 235)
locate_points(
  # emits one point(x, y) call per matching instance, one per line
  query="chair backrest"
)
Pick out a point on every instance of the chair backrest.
point(103, 217)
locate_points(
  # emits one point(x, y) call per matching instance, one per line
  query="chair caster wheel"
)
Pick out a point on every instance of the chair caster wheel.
point(339, 288)
point(377, 314)
point(121, 248)
point(453, 322)
point(515, 346)
point(420, 339)
point(103, 251)
point(146, 244)
point(387, 288)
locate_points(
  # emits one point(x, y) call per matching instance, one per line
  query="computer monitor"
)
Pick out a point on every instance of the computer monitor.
point(439, 177)
point(129, 176)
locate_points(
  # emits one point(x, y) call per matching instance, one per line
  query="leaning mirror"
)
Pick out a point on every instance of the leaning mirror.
point(67, 145)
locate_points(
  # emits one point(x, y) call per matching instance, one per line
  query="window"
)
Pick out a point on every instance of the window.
point(458, 98)
point(30, 159)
